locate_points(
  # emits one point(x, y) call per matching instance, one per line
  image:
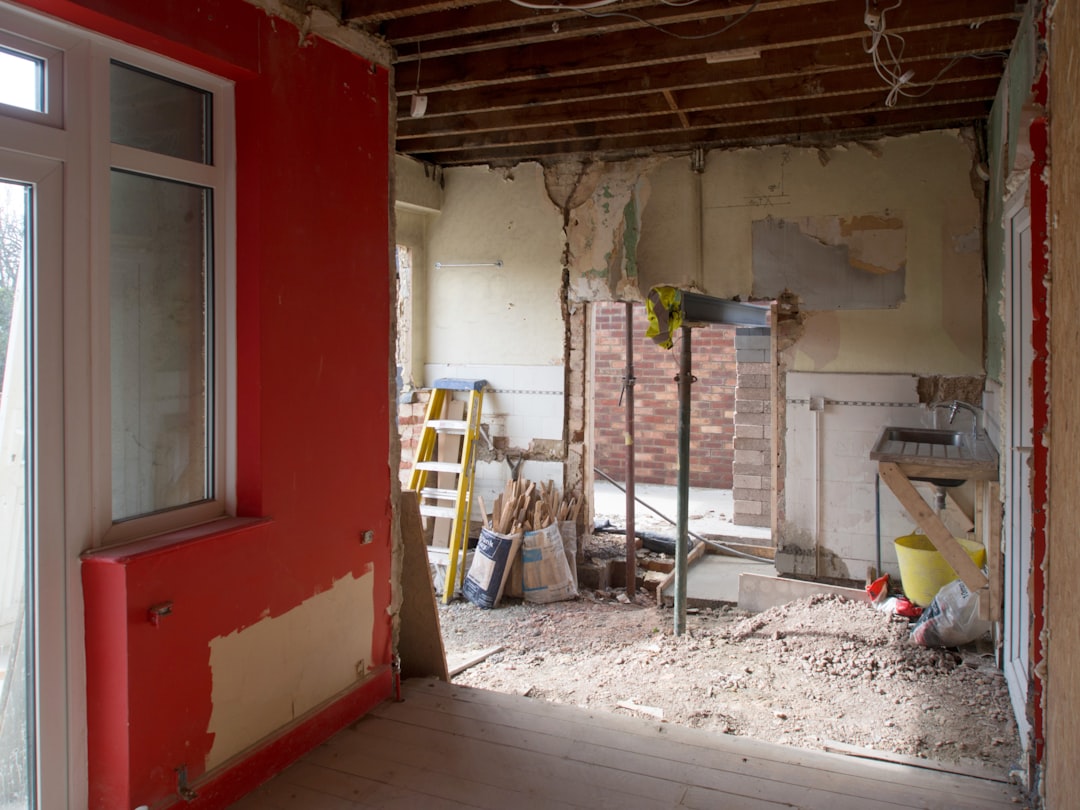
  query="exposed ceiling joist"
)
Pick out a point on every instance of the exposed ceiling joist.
point(503, 83)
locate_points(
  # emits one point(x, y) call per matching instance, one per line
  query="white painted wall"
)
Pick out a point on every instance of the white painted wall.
point(509, 315)
point(922, 179)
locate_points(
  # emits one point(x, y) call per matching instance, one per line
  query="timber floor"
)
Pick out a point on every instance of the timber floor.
point(449, 746)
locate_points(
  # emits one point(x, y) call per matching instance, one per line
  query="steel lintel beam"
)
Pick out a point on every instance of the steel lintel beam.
point(698, 308)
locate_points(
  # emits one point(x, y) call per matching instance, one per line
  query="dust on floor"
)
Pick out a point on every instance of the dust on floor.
point(816, 670)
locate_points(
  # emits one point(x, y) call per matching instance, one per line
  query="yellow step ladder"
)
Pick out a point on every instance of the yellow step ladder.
point(463, 468)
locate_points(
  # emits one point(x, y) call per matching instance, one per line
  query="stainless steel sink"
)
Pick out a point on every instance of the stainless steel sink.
point(904, 435)
point(943, 457)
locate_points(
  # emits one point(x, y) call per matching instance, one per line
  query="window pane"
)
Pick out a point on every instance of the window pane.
point(22, 81)
point(160, 341)
point(159, 115)
point(16, 672)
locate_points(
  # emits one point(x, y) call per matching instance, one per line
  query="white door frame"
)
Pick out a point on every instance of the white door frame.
point(1017, 447)
point(48, 617)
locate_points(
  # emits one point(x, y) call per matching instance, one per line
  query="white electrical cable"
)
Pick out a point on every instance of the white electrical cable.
point(586, 9)
point(562, 6)
point(890, 70)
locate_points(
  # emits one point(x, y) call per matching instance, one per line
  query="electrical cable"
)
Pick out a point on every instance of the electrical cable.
point(891, 71)
point(662, 30)
point(586, 9)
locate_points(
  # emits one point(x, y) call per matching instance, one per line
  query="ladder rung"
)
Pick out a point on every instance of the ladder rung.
point(438, 511)
point(439, 494)
point(440, 466)
point(452, 426)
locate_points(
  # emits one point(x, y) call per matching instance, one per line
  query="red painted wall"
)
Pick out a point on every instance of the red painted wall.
point(656, 405)
point(313, 287)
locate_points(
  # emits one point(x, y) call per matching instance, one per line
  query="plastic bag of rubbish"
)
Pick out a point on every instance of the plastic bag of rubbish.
point(952, 618)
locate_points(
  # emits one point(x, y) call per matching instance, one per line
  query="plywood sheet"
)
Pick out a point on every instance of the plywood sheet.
point(420, 644)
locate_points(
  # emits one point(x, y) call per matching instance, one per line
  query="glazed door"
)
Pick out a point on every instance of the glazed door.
point(1017, 630)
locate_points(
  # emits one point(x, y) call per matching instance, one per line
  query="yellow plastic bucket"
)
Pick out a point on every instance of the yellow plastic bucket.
point(923, 571)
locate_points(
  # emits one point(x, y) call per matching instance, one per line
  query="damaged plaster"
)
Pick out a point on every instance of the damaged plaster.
point(832, 262)
point(269, 674)
point(320, 19)
point(604, 228)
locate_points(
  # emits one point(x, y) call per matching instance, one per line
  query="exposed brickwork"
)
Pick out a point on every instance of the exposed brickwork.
point(410, 424)
point(656, 414)
point(753, 435)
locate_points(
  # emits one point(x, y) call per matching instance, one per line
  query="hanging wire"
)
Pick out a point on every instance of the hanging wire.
point(890, 69)
point(586, 9)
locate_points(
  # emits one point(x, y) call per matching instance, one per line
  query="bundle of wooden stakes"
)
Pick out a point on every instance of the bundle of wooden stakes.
point(522, 507)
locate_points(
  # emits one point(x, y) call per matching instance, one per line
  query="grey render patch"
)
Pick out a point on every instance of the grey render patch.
point(823, 272)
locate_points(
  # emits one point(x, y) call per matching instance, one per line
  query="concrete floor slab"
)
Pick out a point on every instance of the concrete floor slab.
point(710, 511)
point(713, 579)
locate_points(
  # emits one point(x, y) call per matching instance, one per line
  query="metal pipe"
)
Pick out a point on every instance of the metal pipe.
point(697, 537)
point(683, 516)
point(628, 386)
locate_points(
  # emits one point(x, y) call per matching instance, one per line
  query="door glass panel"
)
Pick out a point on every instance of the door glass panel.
point(16, 671)
point(159, 115)
point(160, 336)
point(22, 80)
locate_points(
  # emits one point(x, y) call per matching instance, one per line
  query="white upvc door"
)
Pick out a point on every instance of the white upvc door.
point(34, 740)
point(1018, 455)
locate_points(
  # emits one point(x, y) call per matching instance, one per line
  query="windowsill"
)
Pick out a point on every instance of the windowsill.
point(172, 540)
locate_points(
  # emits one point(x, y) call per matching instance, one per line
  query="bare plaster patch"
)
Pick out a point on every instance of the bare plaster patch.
point(832, 262)
point(267, 675)
point(603, 229)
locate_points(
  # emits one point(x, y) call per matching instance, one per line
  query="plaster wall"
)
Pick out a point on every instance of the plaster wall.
point(924, 181)
point(508, 315)
point(412, 293)
point(263, 674)
point(417, 185)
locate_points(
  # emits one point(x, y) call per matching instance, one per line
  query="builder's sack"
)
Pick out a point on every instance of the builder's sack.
point(545, 574)
point(490, 567)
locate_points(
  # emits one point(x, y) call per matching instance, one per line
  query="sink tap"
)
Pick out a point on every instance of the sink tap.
point(956, 405)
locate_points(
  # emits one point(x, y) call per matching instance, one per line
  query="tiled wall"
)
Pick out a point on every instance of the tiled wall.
point(656, 406)
point(830, 490)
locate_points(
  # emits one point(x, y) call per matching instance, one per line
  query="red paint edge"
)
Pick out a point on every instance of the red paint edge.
point(257, 767)
point(107, 703)
point(1040, 338)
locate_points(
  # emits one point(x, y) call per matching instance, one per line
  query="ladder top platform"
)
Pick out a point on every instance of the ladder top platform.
point(455, 384)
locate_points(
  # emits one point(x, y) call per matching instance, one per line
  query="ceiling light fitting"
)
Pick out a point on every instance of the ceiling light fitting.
point(418, 106)
point(737, 55)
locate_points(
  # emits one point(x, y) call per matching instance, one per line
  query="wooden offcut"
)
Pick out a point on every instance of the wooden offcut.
point(932, 526)
point(420, 645)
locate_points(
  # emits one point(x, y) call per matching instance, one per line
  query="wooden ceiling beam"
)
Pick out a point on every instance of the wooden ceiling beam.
point(802, 63)
point(474, 30)
point(363, 12)
point(802, 132)
point(639, 49)
point(695, 100)
point(667, 123)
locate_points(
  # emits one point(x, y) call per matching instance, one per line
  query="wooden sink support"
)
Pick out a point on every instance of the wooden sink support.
point(987, 528)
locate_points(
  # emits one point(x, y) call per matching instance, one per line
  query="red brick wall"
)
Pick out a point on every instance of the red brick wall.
point(410, 425)
point(656, 402)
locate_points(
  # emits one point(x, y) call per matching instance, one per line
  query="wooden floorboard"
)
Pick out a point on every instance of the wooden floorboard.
point(447, 746)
